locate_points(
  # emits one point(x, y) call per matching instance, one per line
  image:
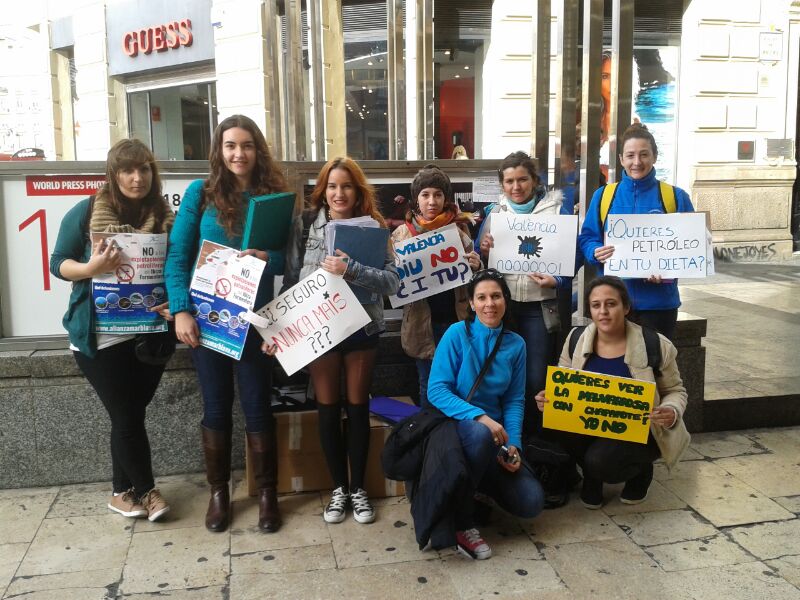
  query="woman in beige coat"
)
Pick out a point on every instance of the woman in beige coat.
point(433, 206)
point(612, 345)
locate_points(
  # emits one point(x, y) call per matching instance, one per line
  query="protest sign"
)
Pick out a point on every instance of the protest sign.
point(430, 263)
point(670, 245)
point(122, 298)
point(309, 319)
point(600, 405)
point(223, 289)
point(525, 244)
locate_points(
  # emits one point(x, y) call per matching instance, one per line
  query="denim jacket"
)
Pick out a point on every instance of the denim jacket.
point(384, 281)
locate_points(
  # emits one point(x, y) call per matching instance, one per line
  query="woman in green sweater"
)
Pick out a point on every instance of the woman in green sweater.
point(129, 202)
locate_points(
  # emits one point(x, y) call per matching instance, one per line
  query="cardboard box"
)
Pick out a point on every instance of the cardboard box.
point(301, 463)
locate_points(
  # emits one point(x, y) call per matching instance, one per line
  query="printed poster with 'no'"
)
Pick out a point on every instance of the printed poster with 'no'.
point(122, 299)
point(223, 290)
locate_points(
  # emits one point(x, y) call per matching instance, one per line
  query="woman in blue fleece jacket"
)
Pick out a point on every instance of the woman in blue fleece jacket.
point(492, 418)
point(655, 301)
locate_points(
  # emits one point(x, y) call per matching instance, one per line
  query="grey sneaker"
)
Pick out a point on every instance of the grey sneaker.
point(337, 507)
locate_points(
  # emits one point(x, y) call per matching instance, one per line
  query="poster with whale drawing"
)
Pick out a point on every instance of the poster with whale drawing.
point(526, 244)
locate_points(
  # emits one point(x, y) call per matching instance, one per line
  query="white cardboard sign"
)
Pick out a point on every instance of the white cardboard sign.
point(309, 319)
point(430, 263)
point(670, 245)
point(525, 244)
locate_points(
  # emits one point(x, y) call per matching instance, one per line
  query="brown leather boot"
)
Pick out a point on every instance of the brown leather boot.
point(264, 457)
point(217, 449)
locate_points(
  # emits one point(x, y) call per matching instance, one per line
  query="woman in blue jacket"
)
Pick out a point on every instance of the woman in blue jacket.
point(655, 301)
point(490, 422)
point(213, 209)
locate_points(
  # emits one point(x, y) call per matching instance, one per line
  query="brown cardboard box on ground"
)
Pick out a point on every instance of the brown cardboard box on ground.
point(301, 463)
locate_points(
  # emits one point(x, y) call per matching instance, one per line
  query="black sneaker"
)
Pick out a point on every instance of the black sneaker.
point(635, 490)
point(363, 512)
point(592, 492)
point(337, 507)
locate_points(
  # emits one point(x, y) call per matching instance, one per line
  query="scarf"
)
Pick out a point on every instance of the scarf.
point(527, 208)
point(418, 225)
point(105, 219)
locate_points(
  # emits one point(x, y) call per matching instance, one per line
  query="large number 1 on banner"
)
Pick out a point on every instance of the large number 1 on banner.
point(40, 214)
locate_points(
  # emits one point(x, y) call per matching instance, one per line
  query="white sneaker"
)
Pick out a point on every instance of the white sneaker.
point(337, 507)
point(362, 509)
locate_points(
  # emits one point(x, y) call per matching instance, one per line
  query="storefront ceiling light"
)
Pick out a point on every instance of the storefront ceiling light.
point(458, 76)
point(369, 63)
point(466, 67)
point(447, 52)
point(370, 91)
point(363, 87)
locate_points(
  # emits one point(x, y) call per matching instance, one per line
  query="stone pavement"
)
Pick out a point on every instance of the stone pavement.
point(753, 339)
point(723, 524)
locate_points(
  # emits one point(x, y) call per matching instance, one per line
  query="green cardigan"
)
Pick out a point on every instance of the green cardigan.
point(73, 243)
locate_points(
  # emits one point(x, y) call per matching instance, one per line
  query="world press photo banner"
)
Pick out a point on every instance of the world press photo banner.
point(428, 264)
point(670, 245)
point(525, 244)
point(309, 319)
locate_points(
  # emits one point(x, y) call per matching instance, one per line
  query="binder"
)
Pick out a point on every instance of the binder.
point(365, 245)
point(268, 221)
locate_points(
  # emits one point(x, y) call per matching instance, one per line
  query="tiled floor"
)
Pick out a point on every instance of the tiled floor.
point(723, 524)
point(753, 313)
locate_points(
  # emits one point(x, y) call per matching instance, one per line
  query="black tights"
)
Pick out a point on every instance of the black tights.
point(125, 387)
point(326, 375)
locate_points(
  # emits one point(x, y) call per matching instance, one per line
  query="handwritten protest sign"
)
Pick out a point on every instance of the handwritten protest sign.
point(671, 245)
point(600, 405)
point(223, 289)
point(122, 299)
point(429, 264)
point(309, 319)
point(525, 244)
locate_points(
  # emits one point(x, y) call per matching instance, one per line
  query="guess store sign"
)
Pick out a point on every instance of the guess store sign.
point(158, 38)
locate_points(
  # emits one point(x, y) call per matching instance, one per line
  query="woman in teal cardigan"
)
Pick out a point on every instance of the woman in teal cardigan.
point(129, 202)
point(213, 209)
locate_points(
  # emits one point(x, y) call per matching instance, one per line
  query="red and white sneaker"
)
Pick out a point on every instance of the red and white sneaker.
point(473, 545)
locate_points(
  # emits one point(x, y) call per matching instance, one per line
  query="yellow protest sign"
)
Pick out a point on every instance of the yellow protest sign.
point(601, 405)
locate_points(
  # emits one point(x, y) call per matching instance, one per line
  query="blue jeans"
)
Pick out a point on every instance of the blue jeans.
point(253, 373)
point(539, 344)
point(519, 494)
point(424, 364)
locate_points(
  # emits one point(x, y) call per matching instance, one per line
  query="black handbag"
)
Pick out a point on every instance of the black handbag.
point(552, 466)
point(156, 348)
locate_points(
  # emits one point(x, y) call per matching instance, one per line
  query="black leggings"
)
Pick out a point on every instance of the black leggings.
point(125, 387)
point(611, 461)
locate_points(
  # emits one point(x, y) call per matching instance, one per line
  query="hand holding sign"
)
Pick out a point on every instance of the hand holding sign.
point(105, 258)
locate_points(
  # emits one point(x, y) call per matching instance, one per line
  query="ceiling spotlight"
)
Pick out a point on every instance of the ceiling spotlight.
point(370, 91)
point(447, 52)
point(369, 63)
point(458, 76)
point(466, 67)
point(363, 87)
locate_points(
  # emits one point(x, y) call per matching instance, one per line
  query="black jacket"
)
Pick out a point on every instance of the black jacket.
point(442, 495)
point(427, 454)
